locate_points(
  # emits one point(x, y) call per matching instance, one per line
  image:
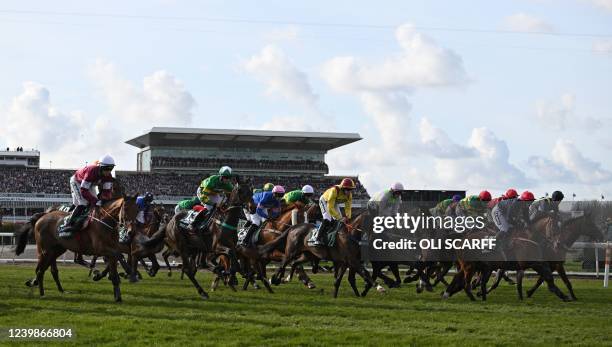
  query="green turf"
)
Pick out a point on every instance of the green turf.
point(167, 311)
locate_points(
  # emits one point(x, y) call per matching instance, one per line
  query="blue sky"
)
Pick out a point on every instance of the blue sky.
point(490, 107)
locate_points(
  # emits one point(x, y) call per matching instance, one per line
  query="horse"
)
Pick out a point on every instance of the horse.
point(568, 233)
point(345, 254)
point(527, 254)
point(136, 250)
point(222, 258)
point(254, 264)
point(98, 237)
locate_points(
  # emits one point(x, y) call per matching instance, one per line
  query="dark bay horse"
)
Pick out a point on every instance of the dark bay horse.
point(345, 255)
point(99, 237)
point(568, 233)
point(526, 254)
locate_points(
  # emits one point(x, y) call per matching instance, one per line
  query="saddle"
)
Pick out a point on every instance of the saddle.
point(254, 239)
point(196, 220)
point(79, 224)
point(330, 239)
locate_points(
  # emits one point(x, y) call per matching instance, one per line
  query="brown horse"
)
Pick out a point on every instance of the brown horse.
point(525, 252)
point(345, 254)
point(568, 233)
point(254, 264)
point(136, 250)
point(98, 237)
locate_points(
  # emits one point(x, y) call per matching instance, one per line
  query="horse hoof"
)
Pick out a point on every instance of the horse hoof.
point(429, 289)
point(204, 296)
point(29, 283)
point(118, 300)
point(381, 289)
point(445, 295)
point(311, 285)
point(419, 290)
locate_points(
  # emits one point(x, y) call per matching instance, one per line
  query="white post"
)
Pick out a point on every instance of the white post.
point(294, 216)
point(596, 261)
point(607, 267)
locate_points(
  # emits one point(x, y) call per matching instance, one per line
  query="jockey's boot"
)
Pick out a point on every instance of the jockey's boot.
point(248, 238)
point(318, 234)
point(68, 230)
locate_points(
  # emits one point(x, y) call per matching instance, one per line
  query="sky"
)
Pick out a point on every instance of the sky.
point(446, 95)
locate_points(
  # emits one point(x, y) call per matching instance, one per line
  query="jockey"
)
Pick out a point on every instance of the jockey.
point(547, 206)
point(473, 205)
point(212, 190)
point(266, 188)
point(268, 205)
point(304, 196)
point(144, 204)
point(211, 193)
point(83, 188)
point(341, 193)
point(511, 213)
point(443, 206)
point(387, 202)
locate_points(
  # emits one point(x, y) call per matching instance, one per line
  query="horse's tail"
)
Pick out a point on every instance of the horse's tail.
point(23, 234)
point(272, 245)
point(157, 238)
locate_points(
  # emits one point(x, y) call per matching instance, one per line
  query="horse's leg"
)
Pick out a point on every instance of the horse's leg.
point(507, 278)
point(190, 270)
point(395, 270)
point(134, 267)
point(375, 272)
point(166, 255)
point(353, 283)
point(498, 278)
point(43, 263)
point(484, 278)
point(568, 284)
point(55, 274)
point(154, 266)
point(262, 276)
point(467, 287)
point(78, 259)
point(455, 286)
point(339, 276)
point(92, 265)
point(303, 277)
point(114, 276)
point(519, 283)
point(535, 287)
point(100, 275)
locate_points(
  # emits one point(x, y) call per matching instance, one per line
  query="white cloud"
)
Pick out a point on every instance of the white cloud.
point(568, 164)
point(490, 168)
point(562, 115)
point(603, 46)
point(162, 100)
point(32, 121)
point(604, 4)
point(70, 139)
point(422, 63)
point(281, 77)
point(527, 23)
point(435, 142)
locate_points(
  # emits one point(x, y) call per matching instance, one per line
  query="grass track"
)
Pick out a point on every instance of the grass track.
point(167, 311)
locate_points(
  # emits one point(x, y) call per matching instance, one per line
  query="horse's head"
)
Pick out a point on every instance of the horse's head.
point(129, 209)
point(242, 193)
point(584, 226)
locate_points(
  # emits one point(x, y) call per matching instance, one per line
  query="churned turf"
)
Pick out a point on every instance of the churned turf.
point(167, 311)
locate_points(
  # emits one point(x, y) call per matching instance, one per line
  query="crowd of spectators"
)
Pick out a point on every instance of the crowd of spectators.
point(25, 180)
point(261, 164)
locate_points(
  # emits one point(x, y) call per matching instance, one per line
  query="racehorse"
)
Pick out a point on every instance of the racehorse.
point(526, 253)
point(98, 237)
point(345, 254)
point(136, 250)
point(568, 233)
point(254, 264)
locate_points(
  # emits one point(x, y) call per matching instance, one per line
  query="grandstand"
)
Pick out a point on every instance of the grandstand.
point(173, 161)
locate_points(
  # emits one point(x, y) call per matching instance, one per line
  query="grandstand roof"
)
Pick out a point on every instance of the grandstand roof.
point(194, 137)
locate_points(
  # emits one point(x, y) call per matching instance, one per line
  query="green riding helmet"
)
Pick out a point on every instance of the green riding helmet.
point(225, 171)
point(268, 187)
point(474, 201)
